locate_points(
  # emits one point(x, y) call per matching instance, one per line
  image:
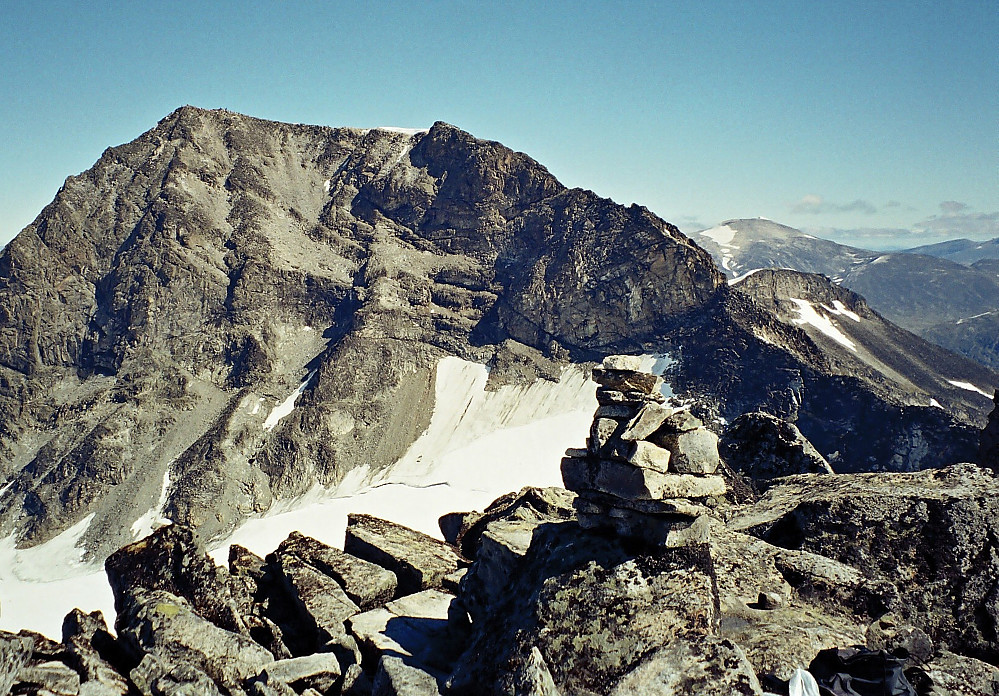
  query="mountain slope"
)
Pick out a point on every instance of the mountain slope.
point(963, 251)
point(933, 297)
point(228, 312)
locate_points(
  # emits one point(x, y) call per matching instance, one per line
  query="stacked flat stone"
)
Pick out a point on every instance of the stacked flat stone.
point(648, 470)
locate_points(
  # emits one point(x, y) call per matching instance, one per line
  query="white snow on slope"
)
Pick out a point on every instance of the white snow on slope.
point(478, 446)
point(41, 585)
point(721, 235)
point(404, 131)
point(840, 309)
point(143, 526)
point(968, 386)
point(285, 408)
point(935, 403)
point(808, 315)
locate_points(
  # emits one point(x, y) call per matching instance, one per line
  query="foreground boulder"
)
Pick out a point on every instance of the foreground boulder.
point(934, 533)
point(15, 651)
point(988, 451)
point(419, 561)
point(170, 559)
point(165, 628)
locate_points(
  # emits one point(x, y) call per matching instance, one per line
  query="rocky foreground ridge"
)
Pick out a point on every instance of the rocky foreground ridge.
point(227, 312)
point(682, 577)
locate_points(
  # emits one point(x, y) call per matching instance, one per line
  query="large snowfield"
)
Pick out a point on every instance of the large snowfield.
point(479, 445)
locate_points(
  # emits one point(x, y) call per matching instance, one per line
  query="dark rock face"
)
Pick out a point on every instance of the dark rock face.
point(833, 393)
point(988, 449)
point(173, 294)
point(762, 446)
point(933, 534)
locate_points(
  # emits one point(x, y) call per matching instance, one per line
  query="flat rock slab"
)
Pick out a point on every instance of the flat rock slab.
point(627, 481)
point(397, 678)
point(708, 667)
point(419, 561)
point(367, 584)
point(320, 671)
point(50, 678)
point(406, 626)
point(317, 595)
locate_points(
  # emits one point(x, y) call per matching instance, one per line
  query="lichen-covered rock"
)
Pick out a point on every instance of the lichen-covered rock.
point(152, 677)
point(53, 678)
point(15, 651)
point(320, 672)
point(321, 603)
point(762, 446)
point(165, 626)
point(414, 626)
point(170, 559)
point(419, 561)
point(92, 651)
point(366, 584)
point(933, 533)
point(395, 677)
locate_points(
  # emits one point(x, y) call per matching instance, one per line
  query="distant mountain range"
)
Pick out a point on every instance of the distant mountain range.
point(954, 304)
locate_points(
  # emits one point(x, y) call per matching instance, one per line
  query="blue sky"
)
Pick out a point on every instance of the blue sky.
point(869, 117)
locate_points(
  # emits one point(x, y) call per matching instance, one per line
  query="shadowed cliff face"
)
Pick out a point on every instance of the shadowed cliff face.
point(169, 297)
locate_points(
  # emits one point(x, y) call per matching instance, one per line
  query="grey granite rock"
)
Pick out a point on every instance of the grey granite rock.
point(419, 561)
point(15, 651)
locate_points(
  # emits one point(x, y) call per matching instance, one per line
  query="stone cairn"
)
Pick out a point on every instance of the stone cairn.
point(648, 470)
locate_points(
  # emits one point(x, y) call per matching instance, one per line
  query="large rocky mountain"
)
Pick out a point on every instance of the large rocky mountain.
point(951, 304)
point(964, 251)
point(227, 312)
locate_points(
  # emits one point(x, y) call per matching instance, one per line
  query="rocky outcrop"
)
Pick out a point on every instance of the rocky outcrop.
point(935, 539)
point(761, 446)
point(988, 449)
point(420, 562)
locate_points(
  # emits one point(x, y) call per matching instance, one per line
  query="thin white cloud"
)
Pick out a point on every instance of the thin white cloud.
point(814, 204)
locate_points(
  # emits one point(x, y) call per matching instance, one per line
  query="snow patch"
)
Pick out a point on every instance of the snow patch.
point(968, 386)
point(808, 315)
point(42, 584)
point(880, 259)
point(6, 487)
point(840, 309)
point(721, 235)
point(326, 185)
point(478, 446)
point(404, 131)
point(143, 526)
point(285, 408)
point(935, 403)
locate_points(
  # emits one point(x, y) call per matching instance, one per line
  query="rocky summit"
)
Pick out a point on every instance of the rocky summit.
point(675, 577)
point(228, 312)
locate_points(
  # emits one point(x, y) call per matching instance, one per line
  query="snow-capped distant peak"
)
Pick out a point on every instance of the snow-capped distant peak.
point(404, 131)
point(721, 235)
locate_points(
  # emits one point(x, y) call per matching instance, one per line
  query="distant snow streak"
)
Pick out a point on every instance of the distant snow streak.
point(287, 406)
point(968, 386)
point(808, 315)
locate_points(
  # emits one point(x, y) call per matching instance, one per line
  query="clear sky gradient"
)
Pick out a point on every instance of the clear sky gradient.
point(834, 117)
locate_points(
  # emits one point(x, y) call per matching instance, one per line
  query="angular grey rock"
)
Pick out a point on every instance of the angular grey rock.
point(368, 585)
point(625, 481)
point(154, 678)
point(762, 446)
point(419, 561)
point(645, 455)
point(668, 506)
point(680, 421)
point(410, 626)
point(937, 529)
point(691, 452)
point(397, 678)
point(613, 411)
point(632, 363)
point(320, 671)
point(950, 674)
point(170, 559)
point(627, 381)
point(15, 651)
point(322, 604)
point(707, 667)
point(164, 625)
point(647, 421)
point(533, 677)
point(889, 633)
point(53, 678)
point(453, 525)
point(90, 650)
point(605, 438)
